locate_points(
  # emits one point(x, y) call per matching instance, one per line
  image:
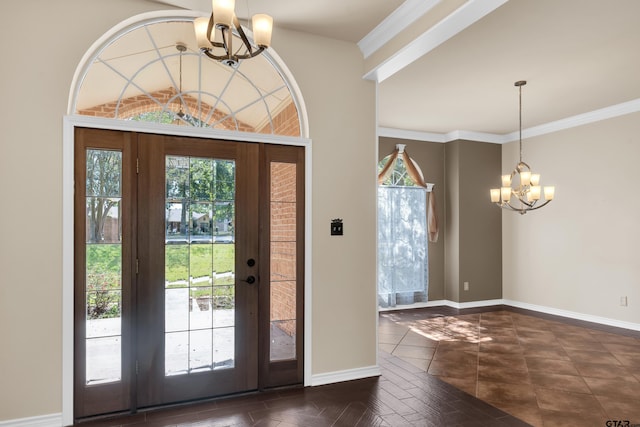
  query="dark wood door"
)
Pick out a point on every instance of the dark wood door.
point(197, 312)
point(189, 269)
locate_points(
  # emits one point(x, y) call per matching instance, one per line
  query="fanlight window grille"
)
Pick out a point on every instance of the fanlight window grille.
point(402, 239)
point(141, 75)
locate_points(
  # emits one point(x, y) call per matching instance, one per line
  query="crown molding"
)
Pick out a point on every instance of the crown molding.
point(411, 134)
point(610, 112)
point(441, 137)
point(605, 113)
point(406, 14)
point(459, 20)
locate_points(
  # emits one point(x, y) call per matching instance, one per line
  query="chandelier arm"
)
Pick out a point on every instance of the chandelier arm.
point(517, 209)
point(243, 36)
point(507, 205)
point(213, 56)
point(524, 202)
point(227, 40)
point(522, 211)
point(539, 206)
point(252, 54)
point(210, 31)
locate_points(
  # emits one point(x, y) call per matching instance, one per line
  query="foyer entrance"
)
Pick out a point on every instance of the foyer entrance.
point(189, 259)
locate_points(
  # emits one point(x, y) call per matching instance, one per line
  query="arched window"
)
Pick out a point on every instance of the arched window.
point(403, 259)
point(154, 72)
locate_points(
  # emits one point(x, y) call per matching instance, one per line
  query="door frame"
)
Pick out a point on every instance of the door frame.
point(68, 142)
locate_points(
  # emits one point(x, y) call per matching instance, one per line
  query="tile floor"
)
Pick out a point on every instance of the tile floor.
point(545, 370)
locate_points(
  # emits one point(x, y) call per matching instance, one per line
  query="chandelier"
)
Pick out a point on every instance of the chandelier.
point(526, 189)
point(215, 34)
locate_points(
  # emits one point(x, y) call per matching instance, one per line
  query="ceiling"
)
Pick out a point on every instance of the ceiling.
point(577, 56)
point(348, 20)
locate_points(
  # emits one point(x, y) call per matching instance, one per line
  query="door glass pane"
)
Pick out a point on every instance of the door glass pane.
point(103, 266)
point(283, 262)
point(176, 353)
point(199, 265)
point(103, 359)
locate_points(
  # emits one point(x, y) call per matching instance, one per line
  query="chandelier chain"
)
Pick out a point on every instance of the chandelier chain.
point(520, 119)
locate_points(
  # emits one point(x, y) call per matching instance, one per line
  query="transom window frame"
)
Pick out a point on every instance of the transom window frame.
point(146, 19)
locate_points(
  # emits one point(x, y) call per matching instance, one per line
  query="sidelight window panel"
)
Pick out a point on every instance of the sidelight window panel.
point(103, 266)
point(283, 259)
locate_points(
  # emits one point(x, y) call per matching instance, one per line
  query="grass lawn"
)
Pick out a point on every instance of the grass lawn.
point(181, 261)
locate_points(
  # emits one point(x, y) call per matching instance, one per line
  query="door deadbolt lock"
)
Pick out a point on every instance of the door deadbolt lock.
point(251, 262)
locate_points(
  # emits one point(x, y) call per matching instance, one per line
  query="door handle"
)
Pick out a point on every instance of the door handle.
point(251, 280)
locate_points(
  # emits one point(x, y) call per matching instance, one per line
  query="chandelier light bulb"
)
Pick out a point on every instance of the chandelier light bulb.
point(534, 192)
point(495, 195)
point(505, 193)
point(262, 25)
point(549, 192)
point(223, 11)
point(506, 180)
point(201, 25)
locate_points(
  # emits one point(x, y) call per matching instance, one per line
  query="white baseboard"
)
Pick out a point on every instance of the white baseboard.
point(51, 420)
point(474, 304)
point(346, 375)
point(539, 308)
point(434, 303)
point(446, 302)
point(573, 315)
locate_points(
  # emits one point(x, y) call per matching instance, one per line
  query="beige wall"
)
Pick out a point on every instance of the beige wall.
point(342, 125)
point(580, 253)
point(341, 108)
point(37, 81)
point(469, 245)
point(430, 158)
point(473, 242)
point(452, 222)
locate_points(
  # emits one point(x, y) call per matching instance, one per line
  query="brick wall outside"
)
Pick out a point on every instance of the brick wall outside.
point(285, 123)
point(283, 245)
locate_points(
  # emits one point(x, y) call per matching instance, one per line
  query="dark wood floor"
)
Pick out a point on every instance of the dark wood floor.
point(542, 369)
point(405, 395)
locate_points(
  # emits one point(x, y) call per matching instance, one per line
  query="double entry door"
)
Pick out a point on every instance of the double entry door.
point(188, 269)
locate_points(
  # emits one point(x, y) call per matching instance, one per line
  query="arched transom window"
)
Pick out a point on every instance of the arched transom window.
point(155, 72)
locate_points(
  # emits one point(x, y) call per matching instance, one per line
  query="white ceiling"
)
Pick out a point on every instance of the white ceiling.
point(348, 20)
point(577, 56)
